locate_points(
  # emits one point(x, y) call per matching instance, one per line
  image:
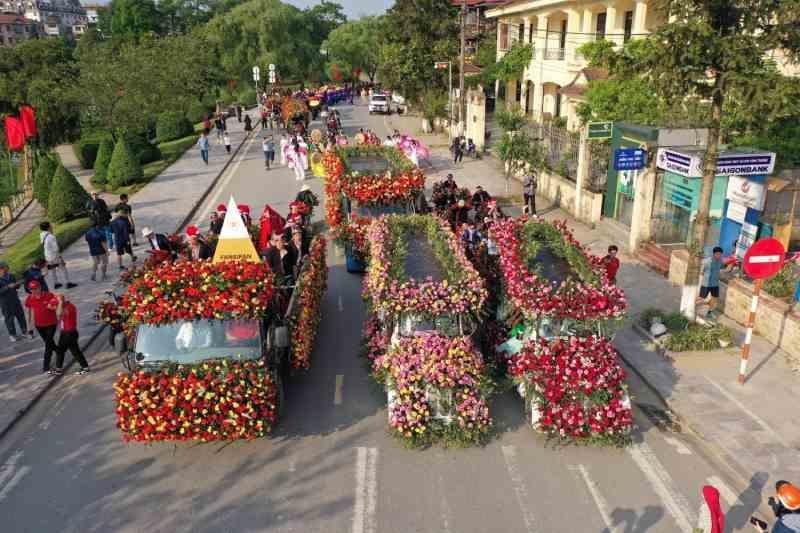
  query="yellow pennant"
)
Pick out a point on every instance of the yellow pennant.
point(234, 242)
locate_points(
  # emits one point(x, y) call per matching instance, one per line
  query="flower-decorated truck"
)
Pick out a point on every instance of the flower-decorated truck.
point(361, 183)
point(561, 311)
point(211, 345)
point(424, 301)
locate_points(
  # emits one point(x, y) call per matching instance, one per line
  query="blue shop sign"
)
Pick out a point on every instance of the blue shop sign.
point(629, 158)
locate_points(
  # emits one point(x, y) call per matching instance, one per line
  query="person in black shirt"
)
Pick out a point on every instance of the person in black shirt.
point(35, 273)
point(124, 207)
point(479, 197)
point(122, 234)
point(10, 304)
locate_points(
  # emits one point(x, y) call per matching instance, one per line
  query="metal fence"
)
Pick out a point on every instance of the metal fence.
point(599, 153)
point(559, 147)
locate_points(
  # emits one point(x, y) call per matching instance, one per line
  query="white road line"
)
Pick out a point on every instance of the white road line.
point(292, 466)
point(9, 468)
point(680, 447)
point(521, 491)
point(599, 500)
point(341, 306)
point(725, 491)
point(445, 507)
point(337, 391)
point(765, 426)
point(21, 473)
point(366, 487)
point(662, 483)
point(223, 183)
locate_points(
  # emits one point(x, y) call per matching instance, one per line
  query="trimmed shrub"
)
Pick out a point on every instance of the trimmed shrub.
point(144, 150)
point(46, 167)
point(67, 198)
point(86, 148)
point(172, 125)
point(124, 167)
point(102, 162)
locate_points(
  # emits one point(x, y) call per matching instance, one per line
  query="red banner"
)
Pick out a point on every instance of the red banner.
point(28, 118)
point(15, 135)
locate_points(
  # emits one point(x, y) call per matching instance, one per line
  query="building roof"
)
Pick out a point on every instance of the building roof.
point(477, 3)
point(471, 70)
point(580, 83)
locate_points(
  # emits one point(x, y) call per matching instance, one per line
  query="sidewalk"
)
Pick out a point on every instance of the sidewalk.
point(162, 205)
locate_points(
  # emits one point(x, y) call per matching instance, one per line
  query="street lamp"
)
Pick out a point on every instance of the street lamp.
point(441, 65)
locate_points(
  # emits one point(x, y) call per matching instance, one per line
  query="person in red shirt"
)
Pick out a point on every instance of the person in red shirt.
point(68, 318)
point(611, 262)
point(41, 310)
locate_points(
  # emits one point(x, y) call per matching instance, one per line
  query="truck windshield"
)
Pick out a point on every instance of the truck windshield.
point(191, 342)
point(378, 98)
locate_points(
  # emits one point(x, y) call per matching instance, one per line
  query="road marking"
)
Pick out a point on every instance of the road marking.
point(725, 491)
point(521, 491)
point(662, 483)
point(680, 447)
point(599, 500)
point(445, 507)
point(366, 489)
point(292, 465)
point(337, 391)
point(223, 183)
point(8, 469)
point(341, 306)
point(758, 419)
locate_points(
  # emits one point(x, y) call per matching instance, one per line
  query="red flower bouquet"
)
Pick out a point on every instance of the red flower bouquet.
point(309, 291)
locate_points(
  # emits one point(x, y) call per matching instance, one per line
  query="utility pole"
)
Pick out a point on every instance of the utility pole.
point(462, 108)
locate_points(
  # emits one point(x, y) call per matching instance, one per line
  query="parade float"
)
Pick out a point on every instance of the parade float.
point(362, 183)
point(211, 343)
point(295, 115)
point(559, 312)
point(424, 300)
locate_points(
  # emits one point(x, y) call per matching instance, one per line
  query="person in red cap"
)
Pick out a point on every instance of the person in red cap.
point(41, 307)
point(68, 320)
point(198, 247)
point(244, 210)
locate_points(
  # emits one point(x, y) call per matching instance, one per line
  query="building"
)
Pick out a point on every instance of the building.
point(477, 24)
point(15, 28)
point(56, 17)
point(92, 11)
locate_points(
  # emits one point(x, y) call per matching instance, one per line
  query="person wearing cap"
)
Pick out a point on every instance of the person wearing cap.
point(122, 237)
point(156, 241)
point(68, 340)
point(41, 313)
point(244, 210)
point(37, 271)
point(307, 196)
point(786, 508)
point(198, 248)
point(98, 250)
point(52, 254)
point(10, 304)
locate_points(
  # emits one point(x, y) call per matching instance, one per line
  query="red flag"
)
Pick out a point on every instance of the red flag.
point(28, 118)
point(15, 135)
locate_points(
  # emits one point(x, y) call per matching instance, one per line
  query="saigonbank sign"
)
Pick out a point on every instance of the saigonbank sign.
point(690, 165)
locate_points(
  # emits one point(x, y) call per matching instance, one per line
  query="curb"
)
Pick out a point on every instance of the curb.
point(15, 217)
point(87, 345)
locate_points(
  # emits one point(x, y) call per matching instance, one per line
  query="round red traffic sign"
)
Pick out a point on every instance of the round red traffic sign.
point(764, 258)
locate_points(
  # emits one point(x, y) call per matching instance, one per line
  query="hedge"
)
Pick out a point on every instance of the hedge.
point(86, 148)
point(67, 198)
point(172, 125)
point(101, 163)
point(46, 167)
point(125, 167)
point(139, 145)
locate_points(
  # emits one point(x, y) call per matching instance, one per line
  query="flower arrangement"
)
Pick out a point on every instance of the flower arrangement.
point(107, 312)
point(213, 401)
point(577, 386)
point(310, 288)
point(585, 295)
point(389, 288)
point(440, 390)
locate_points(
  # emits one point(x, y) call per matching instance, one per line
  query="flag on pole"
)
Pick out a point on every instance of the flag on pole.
point(15, 134)
point(28, 117)
point(234, 242)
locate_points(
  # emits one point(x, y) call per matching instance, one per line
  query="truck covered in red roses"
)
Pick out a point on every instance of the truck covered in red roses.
point(211, 345)
point(362, 183)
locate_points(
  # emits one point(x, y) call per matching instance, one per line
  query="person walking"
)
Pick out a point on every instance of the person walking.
point(611, 264)
point(41, 313)
point(202, 143)
point(284, 147)
point(36, 272)
point(268, 147)
point(248, 123)
point(52, 254)
point(10, 304)
point(226, 139)
point(121, 228)
point(529, 187)
point(709, 285)
point(458, 150)
point(126, 208)
point(220, 127)
point(98, 249)
point(99, 212)
point(239, 112)
point(68, 340)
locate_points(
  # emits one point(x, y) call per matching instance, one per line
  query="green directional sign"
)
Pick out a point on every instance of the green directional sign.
point(599, 130)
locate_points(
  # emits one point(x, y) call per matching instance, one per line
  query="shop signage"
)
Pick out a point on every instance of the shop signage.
point(629, 158)
point(599, 130)
point(746, 238)
point(736, 212)
point(745, 192)
point(691, 165)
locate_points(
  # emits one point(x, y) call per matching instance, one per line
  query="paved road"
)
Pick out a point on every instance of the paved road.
point(331, 466)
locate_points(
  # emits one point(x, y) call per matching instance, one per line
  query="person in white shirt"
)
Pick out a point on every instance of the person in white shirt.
point(52, 255)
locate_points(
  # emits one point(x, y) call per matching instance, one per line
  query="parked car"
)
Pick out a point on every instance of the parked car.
point(380, 103)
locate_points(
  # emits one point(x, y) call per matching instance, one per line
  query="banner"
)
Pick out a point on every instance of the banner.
point(15, 135)
point(28, 118)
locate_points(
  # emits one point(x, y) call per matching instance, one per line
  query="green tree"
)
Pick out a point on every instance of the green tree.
point(130, 19)
point(124, 167)
point(102, 162)
point(43, 173)
point(519, 152)
point(67, 198)
point(354, 46)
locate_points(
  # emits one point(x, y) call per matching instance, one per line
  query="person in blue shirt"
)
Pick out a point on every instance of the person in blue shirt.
point(709, 281)
point(98, 249)
point(10, 304)
point(121, 227)
point(35, 273)
point(202, 143)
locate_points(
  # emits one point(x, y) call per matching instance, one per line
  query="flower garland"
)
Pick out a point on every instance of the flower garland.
point(428, 362)
point(390, 290)
point(107, 312)
point(590, 298)
point(578, 387)
point(309, 290)
point(217, 400)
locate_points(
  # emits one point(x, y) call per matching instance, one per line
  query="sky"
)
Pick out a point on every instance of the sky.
point(352, 8)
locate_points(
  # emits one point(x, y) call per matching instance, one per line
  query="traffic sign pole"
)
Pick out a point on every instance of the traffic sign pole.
point(748, 336)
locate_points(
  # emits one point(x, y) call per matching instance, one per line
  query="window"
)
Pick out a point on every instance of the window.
point(600, 26)
point(521, 33)
point(628, 25)
point(519, 91)
point(563, 41)
point(557, 110)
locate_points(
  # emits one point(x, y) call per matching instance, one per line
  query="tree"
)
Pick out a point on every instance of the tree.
point(67, 198)
point(46, 167)
point(102, 162)
point(519, 152)
point(715, 51)
point(130, 19)
point(124, 167)
point(354, 46)
point(417, 33)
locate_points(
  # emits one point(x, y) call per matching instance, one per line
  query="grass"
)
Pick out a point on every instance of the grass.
point(171, 151)
point(26, 250)
point(683, 335)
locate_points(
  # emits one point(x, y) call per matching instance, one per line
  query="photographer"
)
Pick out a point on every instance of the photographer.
point(786, 508)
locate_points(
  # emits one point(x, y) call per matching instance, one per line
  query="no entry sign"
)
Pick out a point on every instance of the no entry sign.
point(764, 259)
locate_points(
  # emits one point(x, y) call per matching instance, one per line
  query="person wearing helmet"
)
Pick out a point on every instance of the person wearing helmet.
point(786, 508)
